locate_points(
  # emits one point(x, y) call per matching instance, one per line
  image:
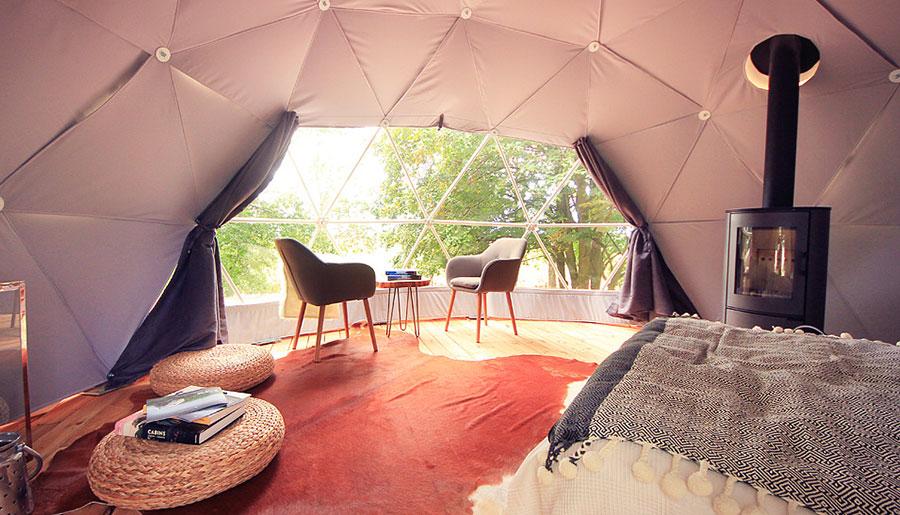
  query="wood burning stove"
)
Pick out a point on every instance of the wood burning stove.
point(777, 255)
point(777, 266)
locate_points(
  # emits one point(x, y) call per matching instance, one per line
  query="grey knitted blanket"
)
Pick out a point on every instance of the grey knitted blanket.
point(810, 418)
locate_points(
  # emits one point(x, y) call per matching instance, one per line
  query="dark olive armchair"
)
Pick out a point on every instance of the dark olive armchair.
point(494, 270)
point(320, 284)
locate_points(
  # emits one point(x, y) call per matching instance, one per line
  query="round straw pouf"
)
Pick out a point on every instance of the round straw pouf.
point(231, 367)
point(145, 475)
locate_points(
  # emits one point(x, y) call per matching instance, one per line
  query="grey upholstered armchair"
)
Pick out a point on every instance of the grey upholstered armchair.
point(320, 284)
point(494, 270)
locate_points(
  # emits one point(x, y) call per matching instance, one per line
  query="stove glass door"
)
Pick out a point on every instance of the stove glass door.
point(767, 259)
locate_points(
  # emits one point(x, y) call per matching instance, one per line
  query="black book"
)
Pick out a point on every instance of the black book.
point(174, 430)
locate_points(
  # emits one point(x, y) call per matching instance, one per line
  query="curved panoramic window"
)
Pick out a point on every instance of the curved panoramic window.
point(413, 197)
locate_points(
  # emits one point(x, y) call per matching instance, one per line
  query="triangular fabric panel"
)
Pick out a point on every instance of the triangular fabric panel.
point(375, 38)
point(565, 92)
point(846, 60)
point(839, 118)
point(220, 135)
point(624, 99)
point(856, 251)
point(332, 88)
point(40, 59)
point(695, 254)
point(510, 78)
point(130, 263)
point(620, 16)
point(647, 176)
point(147, 25)
point(203, 21)
point(876, 19)
point(132, 147)
point(60, 359)
point(712, 180)
point(679, 31)
point(574, 21)
point(448, 85)
point(257, 68)
point(866, 190)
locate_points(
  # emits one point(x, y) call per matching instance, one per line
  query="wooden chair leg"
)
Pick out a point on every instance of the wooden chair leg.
point(478, 320)
point(512, 314)
point(485, 308)
point(346, 320)
point(371, 326)
point(299, 324)
point(319, 332)
point(450, 310)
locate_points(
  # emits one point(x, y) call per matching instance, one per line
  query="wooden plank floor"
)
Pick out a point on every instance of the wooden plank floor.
point(58, 426)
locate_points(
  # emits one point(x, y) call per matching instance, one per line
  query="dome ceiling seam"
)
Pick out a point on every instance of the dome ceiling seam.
point(648, 20)
point(644, 129)
point(859, 143)
point(735, 154)
point(304, 59)
point(56, 290)
point(649, 74)
point(245, 30)
point(104, 27)
point(540, 88)
point(359, 65)
point(187, 147)
point(493, 23)
point(677, 176)
point(75, 124)
point(866, 41)
point(719, 69)
point(424, 66)
point(479, 81)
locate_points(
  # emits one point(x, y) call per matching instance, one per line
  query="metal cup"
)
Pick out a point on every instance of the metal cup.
point(15, 491)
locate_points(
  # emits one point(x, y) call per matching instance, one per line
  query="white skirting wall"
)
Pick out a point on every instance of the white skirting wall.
point(260, 321)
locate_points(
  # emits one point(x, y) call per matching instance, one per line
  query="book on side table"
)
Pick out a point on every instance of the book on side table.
point(192, 415)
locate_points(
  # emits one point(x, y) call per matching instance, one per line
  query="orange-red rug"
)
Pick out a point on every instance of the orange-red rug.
point(397, 431)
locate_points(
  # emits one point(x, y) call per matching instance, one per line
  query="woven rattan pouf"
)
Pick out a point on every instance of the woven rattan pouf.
point(145, 475)
point(232, 367)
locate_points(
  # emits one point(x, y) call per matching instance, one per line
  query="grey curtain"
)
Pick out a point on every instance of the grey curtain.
point(650, 288)
point(190, 313)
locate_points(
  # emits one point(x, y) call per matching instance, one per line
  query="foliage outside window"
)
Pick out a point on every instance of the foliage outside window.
point(412, 197)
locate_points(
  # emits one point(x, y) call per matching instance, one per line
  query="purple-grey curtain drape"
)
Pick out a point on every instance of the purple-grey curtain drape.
point(190, 313)
point(650, 288)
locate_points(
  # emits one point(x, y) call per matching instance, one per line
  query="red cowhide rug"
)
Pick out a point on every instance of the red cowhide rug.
point(394, 431)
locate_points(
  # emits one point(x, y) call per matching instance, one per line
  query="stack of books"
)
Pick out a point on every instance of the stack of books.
point(191, 415)
point(403, 275)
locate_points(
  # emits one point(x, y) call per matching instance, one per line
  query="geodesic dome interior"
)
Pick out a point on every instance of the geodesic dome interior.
point(123, 119)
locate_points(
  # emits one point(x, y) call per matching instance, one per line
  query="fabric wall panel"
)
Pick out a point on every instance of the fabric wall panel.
point(573, 21)
point(109, 271)
point(256, 68)
point(127, 160)
point(45, 47)
point(696, 254)
point(624, 99)
point(203, 21)
point(147, 25)
point(375, 37)
point(61, 361)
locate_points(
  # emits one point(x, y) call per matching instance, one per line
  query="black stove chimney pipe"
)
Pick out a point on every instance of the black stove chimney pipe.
point(781, 121)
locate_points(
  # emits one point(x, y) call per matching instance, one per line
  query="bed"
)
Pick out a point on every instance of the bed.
point(697, 417)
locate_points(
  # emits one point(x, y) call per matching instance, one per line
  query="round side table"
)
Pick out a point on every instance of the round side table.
point(412, 301)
